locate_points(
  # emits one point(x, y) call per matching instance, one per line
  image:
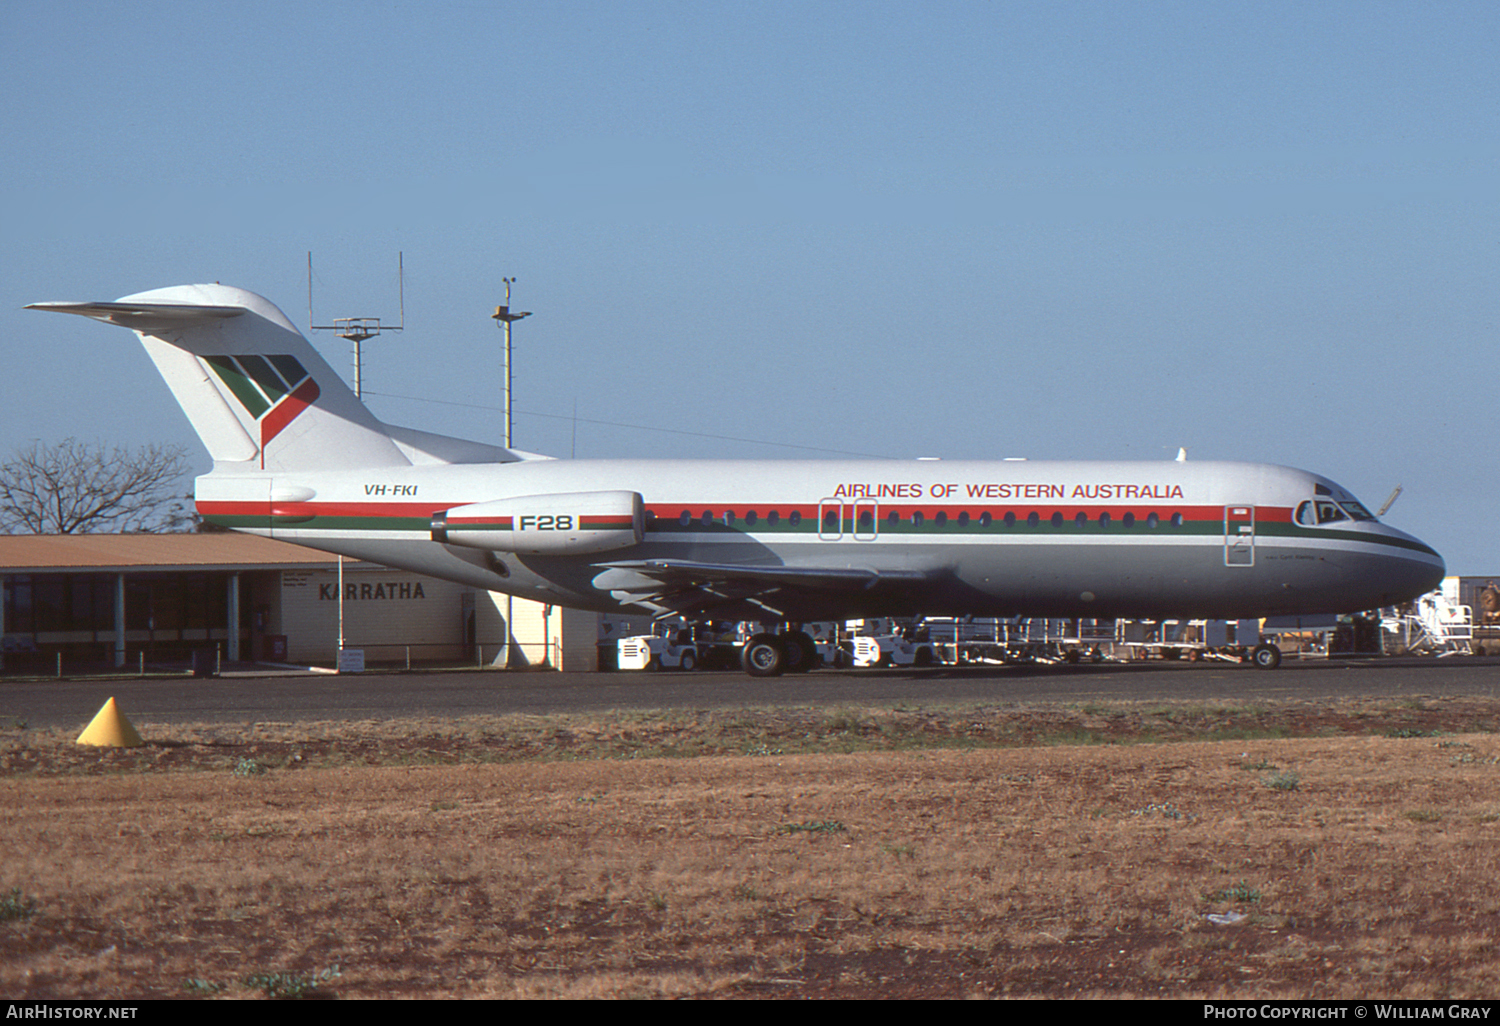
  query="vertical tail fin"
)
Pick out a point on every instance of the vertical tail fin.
point(254, 389)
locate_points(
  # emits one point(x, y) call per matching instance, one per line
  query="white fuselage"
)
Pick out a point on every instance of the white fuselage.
point(963, 538)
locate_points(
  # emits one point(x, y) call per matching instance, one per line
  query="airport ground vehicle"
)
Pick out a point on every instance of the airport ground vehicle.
point(652, 652)
point(894, 650)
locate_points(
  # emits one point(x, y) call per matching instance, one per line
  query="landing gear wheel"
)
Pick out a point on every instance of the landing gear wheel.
point(1266, 656)
point(763, 656)
point(801, 651)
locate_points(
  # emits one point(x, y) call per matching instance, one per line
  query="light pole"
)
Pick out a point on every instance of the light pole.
point(504, 319)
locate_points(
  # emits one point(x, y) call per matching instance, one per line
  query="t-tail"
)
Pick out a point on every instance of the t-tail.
point(258, 394)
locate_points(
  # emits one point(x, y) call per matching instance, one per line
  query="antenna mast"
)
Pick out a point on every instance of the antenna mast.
point(358, 330)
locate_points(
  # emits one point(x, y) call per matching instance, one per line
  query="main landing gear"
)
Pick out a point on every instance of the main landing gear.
point(771, 655)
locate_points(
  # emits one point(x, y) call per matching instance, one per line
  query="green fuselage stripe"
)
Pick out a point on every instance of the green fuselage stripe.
point(669, 530)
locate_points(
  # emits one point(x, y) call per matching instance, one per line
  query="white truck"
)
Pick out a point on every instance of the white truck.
point(894, 650)
point(650, 652)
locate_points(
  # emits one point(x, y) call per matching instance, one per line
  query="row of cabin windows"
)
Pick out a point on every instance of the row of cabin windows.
point(866, 519)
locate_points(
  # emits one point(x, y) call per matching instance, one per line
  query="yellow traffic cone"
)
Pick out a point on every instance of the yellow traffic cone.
point(110, 729)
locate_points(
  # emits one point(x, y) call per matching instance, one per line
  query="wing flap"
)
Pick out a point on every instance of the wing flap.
point(679, 586)
point(683, 571)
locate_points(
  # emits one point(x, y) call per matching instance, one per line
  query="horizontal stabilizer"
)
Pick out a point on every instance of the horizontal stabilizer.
point(147, 317)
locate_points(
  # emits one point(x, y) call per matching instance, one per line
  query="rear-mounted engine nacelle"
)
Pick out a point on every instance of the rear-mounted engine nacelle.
point(572, 523)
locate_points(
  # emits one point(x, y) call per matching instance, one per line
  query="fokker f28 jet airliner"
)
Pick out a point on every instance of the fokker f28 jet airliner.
point(298, 457)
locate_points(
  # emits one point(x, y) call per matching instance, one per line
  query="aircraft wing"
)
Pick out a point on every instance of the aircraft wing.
point(679, 586)
point(147, 317)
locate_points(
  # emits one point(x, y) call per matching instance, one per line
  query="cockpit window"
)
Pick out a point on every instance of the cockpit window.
point(1328, 511)
point(1313, 512)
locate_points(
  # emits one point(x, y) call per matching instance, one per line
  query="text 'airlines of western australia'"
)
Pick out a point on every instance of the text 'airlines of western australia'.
point(298, 457)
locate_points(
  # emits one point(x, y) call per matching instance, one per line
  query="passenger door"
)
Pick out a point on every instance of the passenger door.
point(1239, 535)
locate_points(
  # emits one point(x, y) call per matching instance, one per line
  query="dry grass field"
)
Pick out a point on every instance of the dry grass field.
point(1346, 851)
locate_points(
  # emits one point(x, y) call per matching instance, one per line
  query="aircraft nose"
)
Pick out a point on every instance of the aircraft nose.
point(1412, 568)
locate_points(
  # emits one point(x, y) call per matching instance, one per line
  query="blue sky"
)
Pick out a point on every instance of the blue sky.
point(1264, 231)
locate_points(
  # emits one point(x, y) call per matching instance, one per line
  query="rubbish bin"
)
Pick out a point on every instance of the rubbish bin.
point(204, 660)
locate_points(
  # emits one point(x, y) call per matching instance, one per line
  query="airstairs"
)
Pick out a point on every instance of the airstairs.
point(1431, 625)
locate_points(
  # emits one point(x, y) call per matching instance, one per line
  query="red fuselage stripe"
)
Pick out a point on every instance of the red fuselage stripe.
point(1263, 514)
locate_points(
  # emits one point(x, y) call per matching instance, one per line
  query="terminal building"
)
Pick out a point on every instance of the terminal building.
point(95, 601)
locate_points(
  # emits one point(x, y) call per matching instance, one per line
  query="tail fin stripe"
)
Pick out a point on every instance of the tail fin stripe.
point(229, 373)
point(291, 370)
point(284, 412)
point(263, 375)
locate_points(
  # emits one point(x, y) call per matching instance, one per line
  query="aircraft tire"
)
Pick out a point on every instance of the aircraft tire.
point(1266, 656)
point(763, 656)
point(801, 651)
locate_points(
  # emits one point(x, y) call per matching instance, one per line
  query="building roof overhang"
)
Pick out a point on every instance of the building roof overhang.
point(120, 553)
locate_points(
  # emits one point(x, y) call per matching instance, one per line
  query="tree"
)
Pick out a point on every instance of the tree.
point(76, 488)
